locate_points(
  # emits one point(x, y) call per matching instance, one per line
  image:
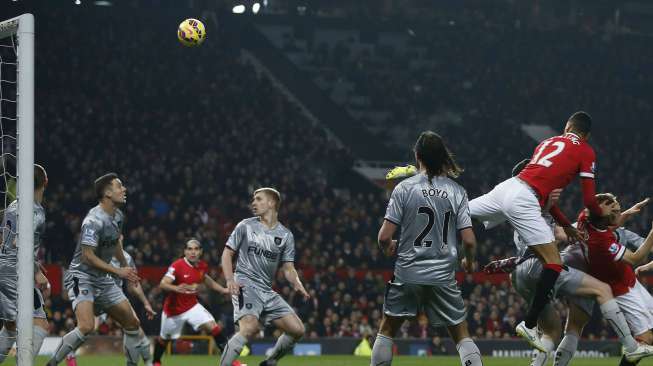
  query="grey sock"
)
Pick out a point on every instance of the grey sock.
point(613, 315)
point(566, 350)
point(382, 351)
point(540, 358)
point(39, 335)
point(232, 350)
point(144, 347)
point(284, 344)
point(69, 343)
point(7, 339)
point(469, 353)
point(131, 339)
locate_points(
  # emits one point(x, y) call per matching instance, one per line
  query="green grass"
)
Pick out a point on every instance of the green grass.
point(333, 361)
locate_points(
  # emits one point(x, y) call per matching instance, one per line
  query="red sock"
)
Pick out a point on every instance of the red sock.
point(555, 267)
point(216, 331)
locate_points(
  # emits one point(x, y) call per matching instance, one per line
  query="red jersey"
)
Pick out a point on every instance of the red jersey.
point(555, 163)
point(181, 271)
point(605, 256)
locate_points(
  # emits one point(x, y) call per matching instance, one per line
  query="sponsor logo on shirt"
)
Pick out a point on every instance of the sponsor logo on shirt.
point(262, 253)
point(614, 248)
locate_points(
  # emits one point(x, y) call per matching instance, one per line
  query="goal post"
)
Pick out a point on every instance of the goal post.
point(22, 29)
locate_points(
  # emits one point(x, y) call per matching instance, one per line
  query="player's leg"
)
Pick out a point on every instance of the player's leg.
point(549, 324)
point(248, 328)
point(40, 322)
point(75, 338)
point(401, 302)
point(578, 315)
point(248, 306)
point(200, 318)
point(7, 339)
point(277, 311)
point(444, 306)
point(133, 340)
point(171, 327)
point(613, 314)
point(637, 307)
point(8, 312)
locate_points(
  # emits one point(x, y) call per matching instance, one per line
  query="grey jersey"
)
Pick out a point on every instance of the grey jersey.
point(8, 249)
point(116, 264)
point(430, 216)
point(260, 250)
point(100, 231)
point(628, 238)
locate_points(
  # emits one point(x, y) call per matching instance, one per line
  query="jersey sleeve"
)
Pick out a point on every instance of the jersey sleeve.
point(395, 210)
point(171, 272)
point(629, 239)
point(464, 219)
point(288, 254)
point(587, 167)
point(91, 232)
point(237, 236)
point(615, 251)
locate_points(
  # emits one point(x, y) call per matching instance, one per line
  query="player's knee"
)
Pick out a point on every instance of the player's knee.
point(86, 327)
point(645, 337)
point(297, 331)
point(248, 330)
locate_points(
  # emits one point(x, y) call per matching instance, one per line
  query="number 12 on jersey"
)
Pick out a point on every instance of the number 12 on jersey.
point(419, 241)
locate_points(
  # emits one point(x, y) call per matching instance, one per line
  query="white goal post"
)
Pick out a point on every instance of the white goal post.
point(22, 27)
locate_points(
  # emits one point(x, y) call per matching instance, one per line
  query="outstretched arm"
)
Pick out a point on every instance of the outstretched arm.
point(213, 285)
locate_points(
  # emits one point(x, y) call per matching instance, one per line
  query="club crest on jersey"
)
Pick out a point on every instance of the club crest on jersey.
point(277, 240)
point(614, 248)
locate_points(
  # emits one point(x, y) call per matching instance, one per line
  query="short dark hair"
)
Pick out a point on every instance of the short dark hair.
point(581, 122)
point(39, 176)
point(519, 167)
point(102, 183)
point(436, 157)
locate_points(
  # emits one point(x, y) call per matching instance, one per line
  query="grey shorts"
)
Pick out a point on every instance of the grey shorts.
point(265, 305)
point(524, 279)
point(573, 257)
point(9, 298)
point(101, 291)
point(442, 304)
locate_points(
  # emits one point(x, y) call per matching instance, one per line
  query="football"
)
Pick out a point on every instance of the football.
point(191, 32)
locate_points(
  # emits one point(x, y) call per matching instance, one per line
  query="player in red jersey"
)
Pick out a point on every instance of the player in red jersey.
point(181, 306)
point(612, 263)
point(520, 200)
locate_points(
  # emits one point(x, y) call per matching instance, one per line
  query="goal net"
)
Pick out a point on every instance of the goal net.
point(17, 159)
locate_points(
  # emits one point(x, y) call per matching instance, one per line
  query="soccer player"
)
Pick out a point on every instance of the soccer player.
point(519, 200)
point(430, 208)
point(88, 279)
point(612, 262)
point(261, 243)
point(136, 290)
point(181, 306)
point(9, 275)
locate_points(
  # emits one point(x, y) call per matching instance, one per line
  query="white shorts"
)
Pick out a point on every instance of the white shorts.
point(637, 306)
point(515, 201)
point(196, 316)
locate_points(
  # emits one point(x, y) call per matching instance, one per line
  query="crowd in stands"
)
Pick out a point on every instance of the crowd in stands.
point(193, 132)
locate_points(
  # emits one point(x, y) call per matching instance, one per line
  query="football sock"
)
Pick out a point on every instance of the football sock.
point(469, 353)
point(233, 349)
point(566, 350)
point(69, 343)
point(130, 343)
point(382, 351)
point(160, 346)
point(540, 358)
point(38, 335)
point(543, 290)
point(7, 339)
point(613, 315)
point(284, 344)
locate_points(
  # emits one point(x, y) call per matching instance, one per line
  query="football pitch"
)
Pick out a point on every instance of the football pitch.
point(334, 361)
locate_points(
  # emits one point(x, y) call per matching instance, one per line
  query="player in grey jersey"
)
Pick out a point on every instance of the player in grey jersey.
point(431, 210)
point(8, 270)
point(88, 280)
point(262, 243)
point(136, 290)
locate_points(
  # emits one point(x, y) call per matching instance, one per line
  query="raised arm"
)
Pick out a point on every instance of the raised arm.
point(641, 253)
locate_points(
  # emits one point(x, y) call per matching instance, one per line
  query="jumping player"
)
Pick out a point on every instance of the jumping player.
point(430, 209)
point(261, 243)
point(181, 306)
point(519, 200)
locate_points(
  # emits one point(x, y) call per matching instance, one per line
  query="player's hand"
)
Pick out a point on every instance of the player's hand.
point(149, 312)
point(42, 283)
point(128, 273)
point(186, 288)
point(300, 288)
point(233, 286)
point(390, 250)
point(469, 266)
point(554, 198)
point(574, 235)
point(637, 208)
